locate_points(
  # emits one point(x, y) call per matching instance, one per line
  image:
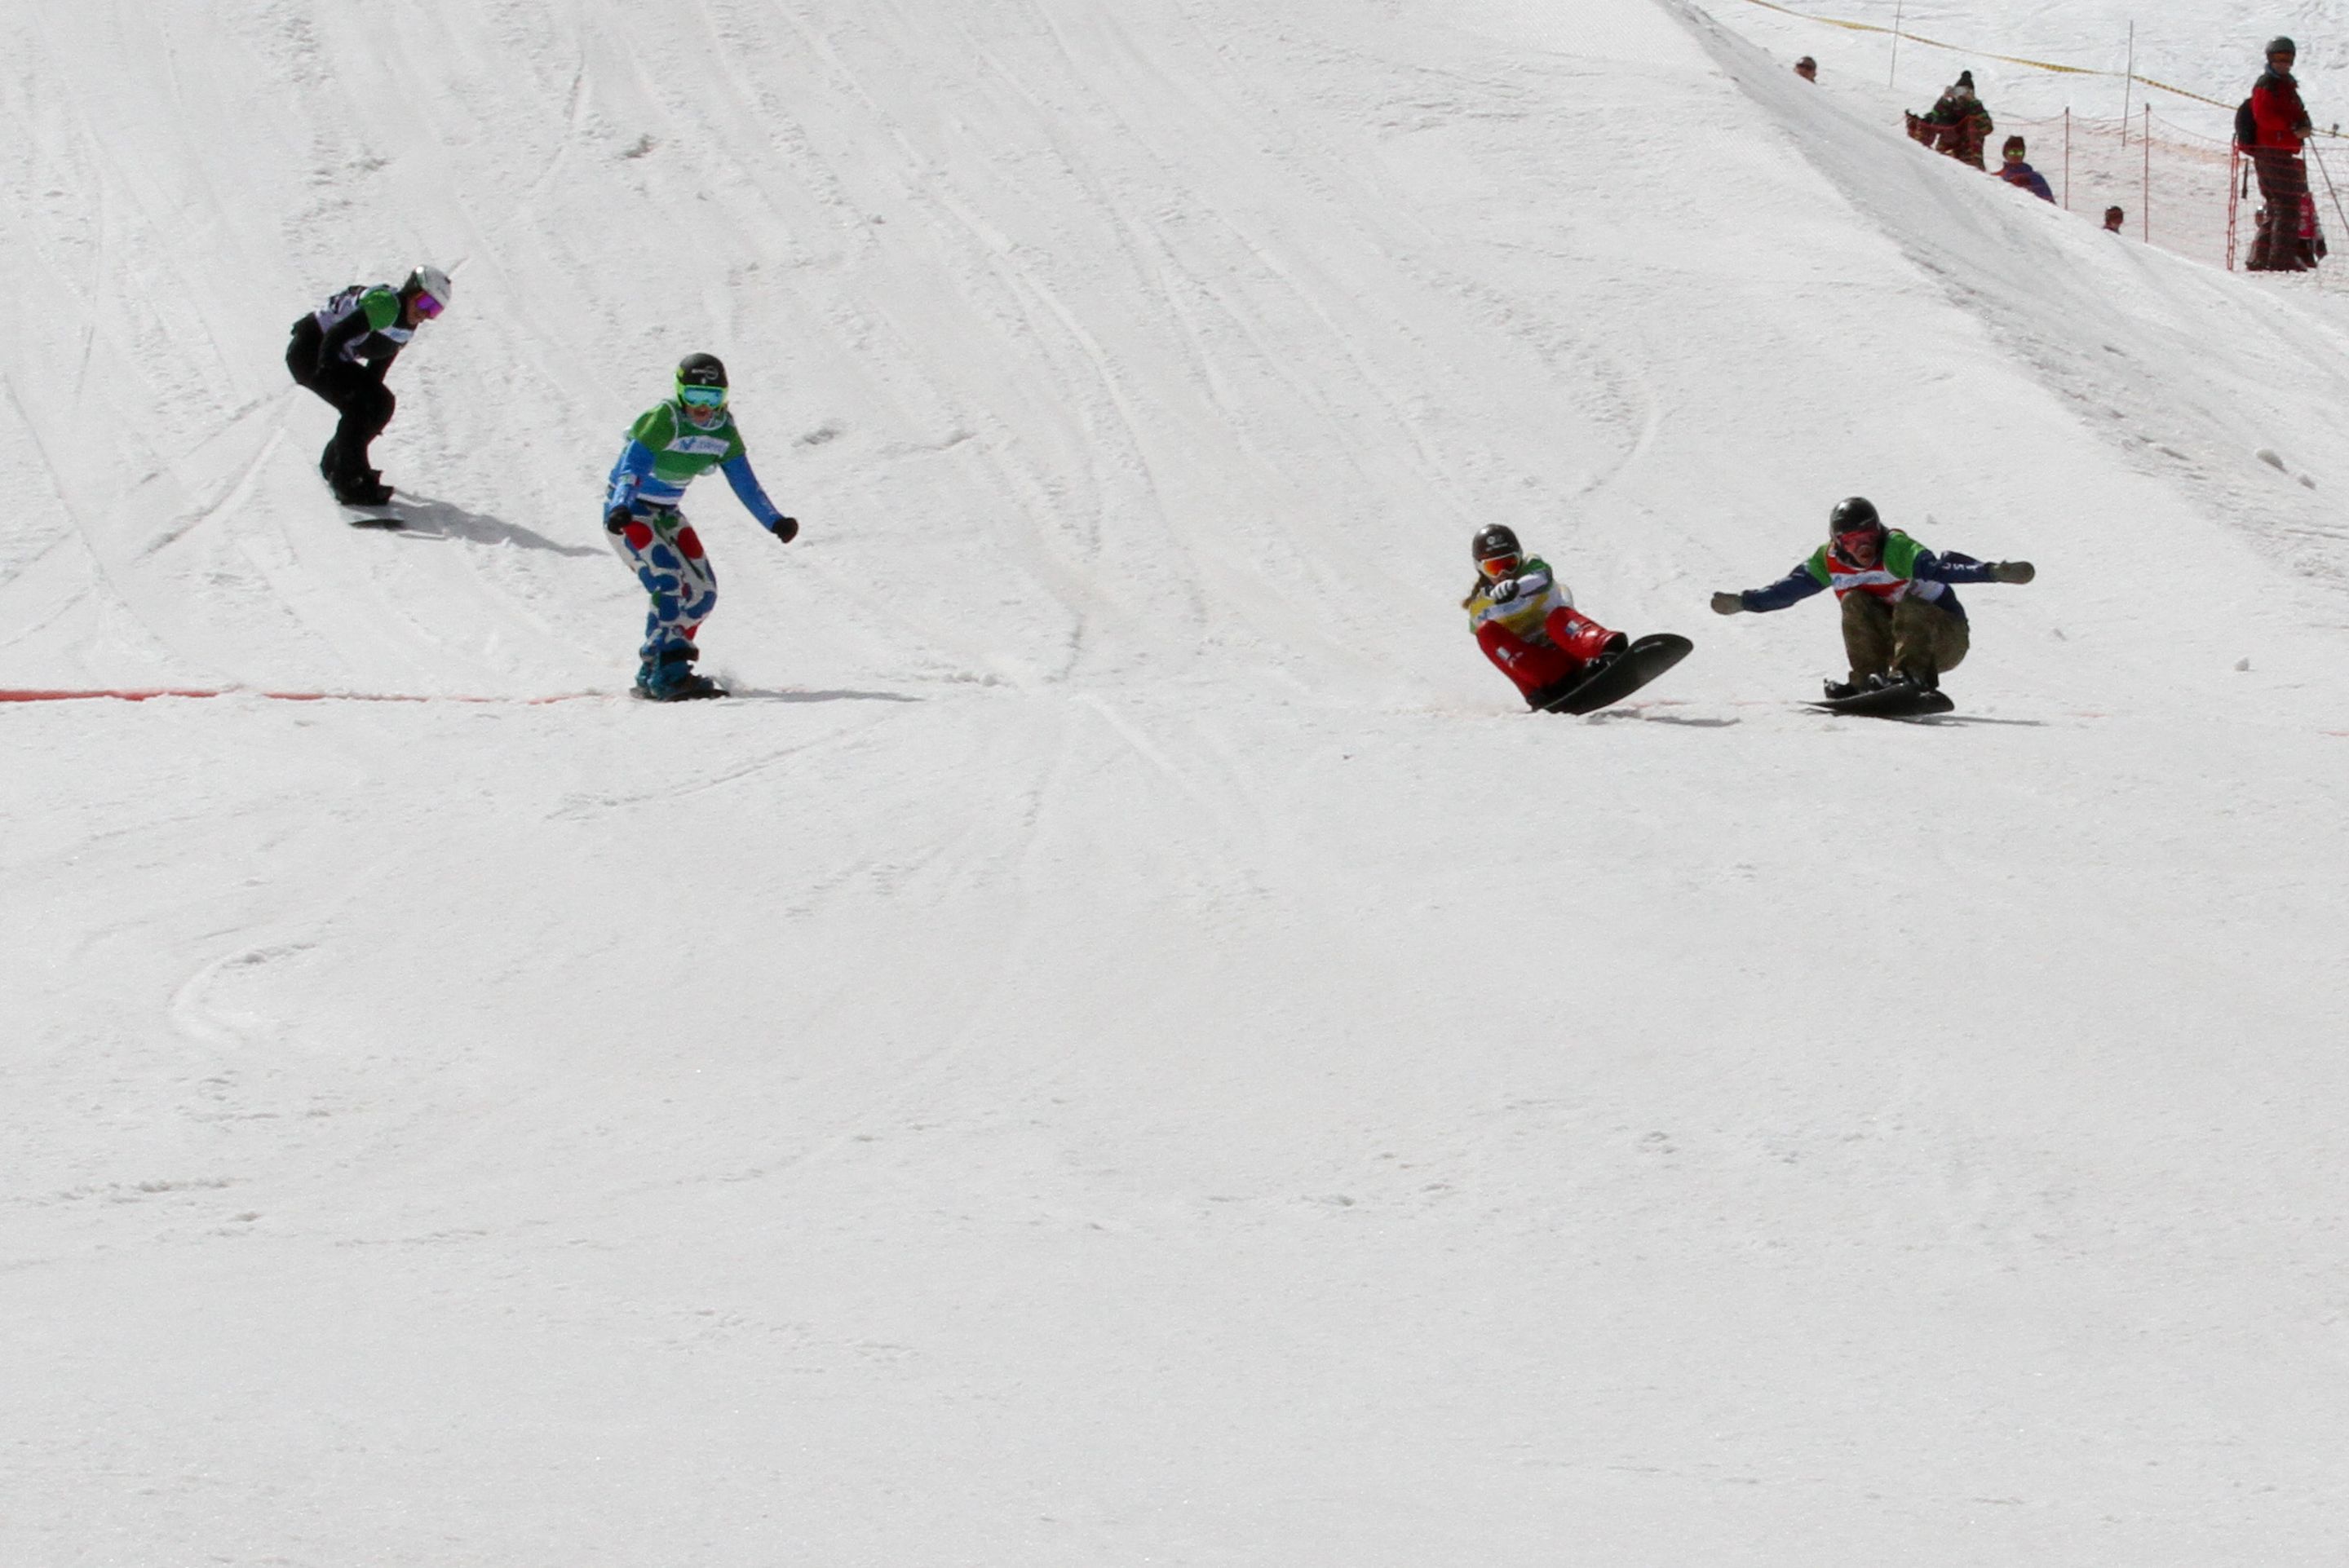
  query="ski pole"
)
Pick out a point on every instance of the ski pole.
point(2328, 183)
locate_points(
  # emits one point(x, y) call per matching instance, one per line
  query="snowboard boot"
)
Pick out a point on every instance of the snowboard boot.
point(359, 487)
point(670, 676)
point(1583, 637)
point(1609, 652)
point(361, 490)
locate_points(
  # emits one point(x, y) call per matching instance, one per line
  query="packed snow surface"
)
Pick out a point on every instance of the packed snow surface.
point(1123, 1042)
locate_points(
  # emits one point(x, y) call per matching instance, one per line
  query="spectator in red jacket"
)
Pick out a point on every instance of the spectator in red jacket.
point(2286, 240)
point(2015, 172)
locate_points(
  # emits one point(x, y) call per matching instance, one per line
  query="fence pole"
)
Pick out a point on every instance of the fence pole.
point(1895, 68)
point(2234, 162)
point(2149, 168)
point(2128, 80)
point(2067, 157)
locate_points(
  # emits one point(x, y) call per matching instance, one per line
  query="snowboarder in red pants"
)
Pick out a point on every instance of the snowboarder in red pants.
point(1526, 622)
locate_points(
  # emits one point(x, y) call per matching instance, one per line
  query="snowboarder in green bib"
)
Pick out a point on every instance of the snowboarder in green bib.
point(672, 445)
point(342, 350)
point(1900, 619)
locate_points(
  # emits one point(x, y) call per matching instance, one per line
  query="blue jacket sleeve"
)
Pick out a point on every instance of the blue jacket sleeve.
point(635, 465)
point(1792, 589)
point(738, 473)
point(1950, 568)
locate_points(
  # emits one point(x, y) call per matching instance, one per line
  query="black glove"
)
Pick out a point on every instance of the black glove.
point(1728, 603)
point(617, 519)
point(2013, 572)
point(1504, 591)
point(786, 529)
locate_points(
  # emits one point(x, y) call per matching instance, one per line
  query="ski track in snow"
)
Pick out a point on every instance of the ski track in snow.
point(1121, 1043)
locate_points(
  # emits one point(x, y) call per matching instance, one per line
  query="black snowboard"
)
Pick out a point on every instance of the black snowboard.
point(1629, 670)
point(1901, 699)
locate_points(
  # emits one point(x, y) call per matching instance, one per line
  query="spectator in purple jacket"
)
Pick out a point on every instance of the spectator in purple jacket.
point(2015, 172)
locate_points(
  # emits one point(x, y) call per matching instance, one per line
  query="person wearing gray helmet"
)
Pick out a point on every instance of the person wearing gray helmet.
point(342, 350)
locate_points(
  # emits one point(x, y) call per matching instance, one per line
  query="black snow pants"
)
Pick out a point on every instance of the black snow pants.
point(2284, 240)
point(355, 390)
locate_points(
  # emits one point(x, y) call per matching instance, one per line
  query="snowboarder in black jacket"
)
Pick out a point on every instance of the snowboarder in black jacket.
point(341, 351)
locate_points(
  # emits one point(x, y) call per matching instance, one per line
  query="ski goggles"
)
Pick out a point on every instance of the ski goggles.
point(1496, 567)
point(1851, 543)
point(703, 397)
point(426, 305)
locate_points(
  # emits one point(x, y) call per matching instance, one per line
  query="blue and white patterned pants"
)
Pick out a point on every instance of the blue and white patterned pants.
point(661, 548)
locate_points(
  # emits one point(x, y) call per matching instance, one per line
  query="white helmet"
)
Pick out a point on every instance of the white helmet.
point(430, 280)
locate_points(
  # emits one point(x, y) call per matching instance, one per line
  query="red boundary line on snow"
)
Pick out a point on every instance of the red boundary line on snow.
point(144, 694)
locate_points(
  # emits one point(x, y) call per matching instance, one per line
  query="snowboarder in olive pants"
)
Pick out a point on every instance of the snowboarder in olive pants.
point(669, 447)
point(1900, 619)
point(341, 351)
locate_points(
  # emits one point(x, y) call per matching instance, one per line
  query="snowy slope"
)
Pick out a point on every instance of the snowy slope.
point(1122, 1048)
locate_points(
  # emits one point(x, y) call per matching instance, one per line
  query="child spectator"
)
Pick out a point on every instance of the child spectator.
point(2015, 172)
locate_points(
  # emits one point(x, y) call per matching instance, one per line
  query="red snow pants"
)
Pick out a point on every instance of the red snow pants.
point(1545, 669)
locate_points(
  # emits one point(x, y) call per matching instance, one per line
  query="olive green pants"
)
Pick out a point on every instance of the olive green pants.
point(1912, 636)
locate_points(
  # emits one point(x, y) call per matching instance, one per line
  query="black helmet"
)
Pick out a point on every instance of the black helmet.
point(701, 388)
point(2283, 47)
point(1494, 540)
point(700, 370)
point(1853, 514)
